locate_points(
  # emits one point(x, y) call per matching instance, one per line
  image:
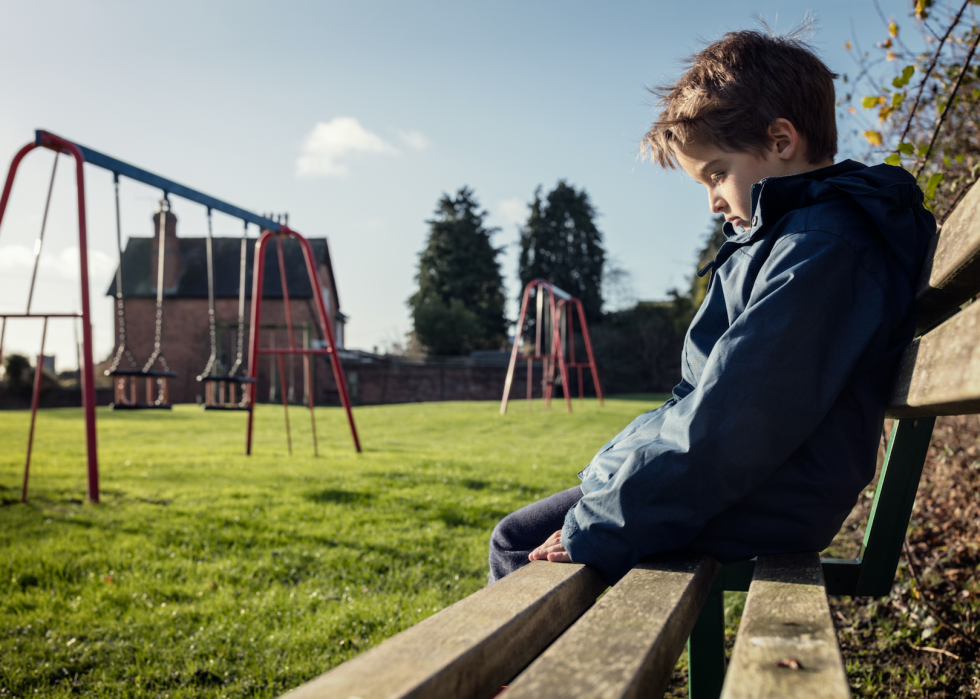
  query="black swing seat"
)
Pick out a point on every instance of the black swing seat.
point(227, 379)
point(140, 406)
point(139, 373)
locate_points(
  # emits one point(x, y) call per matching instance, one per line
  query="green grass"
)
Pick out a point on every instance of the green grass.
point(208, 573)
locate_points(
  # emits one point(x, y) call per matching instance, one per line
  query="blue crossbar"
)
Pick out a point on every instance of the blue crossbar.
point(168, 186)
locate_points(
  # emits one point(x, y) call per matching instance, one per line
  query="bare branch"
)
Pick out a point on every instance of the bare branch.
point(886, 23)
point(932, 65)
point(949, 103)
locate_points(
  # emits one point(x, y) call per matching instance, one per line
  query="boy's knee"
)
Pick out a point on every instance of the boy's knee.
point(502, 536)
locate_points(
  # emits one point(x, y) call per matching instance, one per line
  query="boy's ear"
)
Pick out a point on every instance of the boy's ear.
point(785, 139)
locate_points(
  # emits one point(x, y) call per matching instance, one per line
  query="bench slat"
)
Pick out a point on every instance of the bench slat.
point(628, 643)
point(939, 373)
point(470, 649)
point(952, 270)
point(786, 621)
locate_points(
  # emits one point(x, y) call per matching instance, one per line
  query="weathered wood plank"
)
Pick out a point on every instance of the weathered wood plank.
point(470, 649)
point(951, 274)
point(786, 644)
point(939, 373)
point(627, 644)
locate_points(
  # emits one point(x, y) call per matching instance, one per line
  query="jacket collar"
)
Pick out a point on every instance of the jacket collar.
point(774, 197)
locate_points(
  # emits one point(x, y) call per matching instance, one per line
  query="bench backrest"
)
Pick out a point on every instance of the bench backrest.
point(939, 374)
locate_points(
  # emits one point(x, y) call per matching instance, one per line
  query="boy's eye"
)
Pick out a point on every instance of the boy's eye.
point(717, 177)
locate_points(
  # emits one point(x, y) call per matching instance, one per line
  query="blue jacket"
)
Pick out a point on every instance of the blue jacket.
point(773, 431)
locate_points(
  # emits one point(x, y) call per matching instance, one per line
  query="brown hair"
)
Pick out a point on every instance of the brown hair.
point(736, 88)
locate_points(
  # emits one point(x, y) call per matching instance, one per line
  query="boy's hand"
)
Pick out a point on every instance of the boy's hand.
point(551, 550)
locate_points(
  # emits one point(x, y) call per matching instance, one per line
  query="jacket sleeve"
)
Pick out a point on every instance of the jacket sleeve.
point(766, 385)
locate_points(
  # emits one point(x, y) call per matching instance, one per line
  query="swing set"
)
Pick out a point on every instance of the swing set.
point(556, 351)
point(220, 385)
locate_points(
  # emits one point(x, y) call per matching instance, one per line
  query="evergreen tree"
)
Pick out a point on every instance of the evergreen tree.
point(561, 243)
point(460, 302)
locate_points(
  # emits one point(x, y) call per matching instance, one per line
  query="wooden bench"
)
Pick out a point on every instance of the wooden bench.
point(542, 632)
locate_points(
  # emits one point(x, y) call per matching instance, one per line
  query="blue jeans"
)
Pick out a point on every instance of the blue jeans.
point(519, 533)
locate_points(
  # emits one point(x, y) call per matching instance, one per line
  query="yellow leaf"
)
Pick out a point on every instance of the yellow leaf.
point(852, 110)
point(893, 29)
point(884, 112)
point(886, 44)
point(920, 9)
point(872, 102)
point(890, 56)
point(847, 45)
point(874, 137)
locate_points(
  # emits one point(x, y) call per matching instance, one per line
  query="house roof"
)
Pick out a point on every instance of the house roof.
point(139, 280)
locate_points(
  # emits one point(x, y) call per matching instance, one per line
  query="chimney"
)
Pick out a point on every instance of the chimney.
point(172, 261)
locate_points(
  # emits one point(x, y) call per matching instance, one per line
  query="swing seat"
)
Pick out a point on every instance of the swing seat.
point(129, 376)
point(139, 372)
point(228, 379)
point(215, 399)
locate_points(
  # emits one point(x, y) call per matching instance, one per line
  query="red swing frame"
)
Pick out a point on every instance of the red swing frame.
point(87, 370)
point(254, 351)
point(559, 311)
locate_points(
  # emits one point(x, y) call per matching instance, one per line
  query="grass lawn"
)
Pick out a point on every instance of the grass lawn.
point(208, 573)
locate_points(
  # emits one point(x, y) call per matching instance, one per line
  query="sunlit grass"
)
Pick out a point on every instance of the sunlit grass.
point(208, 573)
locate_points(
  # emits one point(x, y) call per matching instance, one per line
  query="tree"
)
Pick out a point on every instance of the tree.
point(560, 243)
point(927, 104)
point(459, 306)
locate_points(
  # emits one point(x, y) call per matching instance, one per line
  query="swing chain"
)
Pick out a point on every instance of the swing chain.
point(240, 353)
point(158, 337)
point(214, 363)
point(121, 350)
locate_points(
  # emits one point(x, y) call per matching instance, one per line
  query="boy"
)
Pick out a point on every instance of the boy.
point(773, 430)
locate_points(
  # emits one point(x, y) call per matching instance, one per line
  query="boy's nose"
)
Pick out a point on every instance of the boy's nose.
point(716, 204)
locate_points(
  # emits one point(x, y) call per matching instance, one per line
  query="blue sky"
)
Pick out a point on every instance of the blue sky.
point(355, 118)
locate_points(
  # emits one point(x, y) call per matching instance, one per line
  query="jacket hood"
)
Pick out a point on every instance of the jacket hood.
point(888, 194)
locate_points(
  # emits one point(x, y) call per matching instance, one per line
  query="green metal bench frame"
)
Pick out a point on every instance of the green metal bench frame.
point(871, 573)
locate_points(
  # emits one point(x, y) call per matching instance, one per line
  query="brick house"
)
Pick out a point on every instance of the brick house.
point(186, 339)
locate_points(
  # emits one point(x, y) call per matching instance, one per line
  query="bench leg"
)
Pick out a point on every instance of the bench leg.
point(706, 650)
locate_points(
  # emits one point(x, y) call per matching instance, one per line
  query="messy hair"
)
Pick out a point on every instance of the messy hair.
point(735, 88)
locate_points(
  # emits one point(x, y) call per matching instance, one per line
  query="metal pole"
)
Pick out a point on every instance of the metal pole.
point(258, 270)
point(560, 355)
point(285, 294)
point(40, 238)
point(308, 375)
point(321, 307)
point(515, 350)
point(35, 398)
point(88, 368)
point(588, 351)
point(285, 403)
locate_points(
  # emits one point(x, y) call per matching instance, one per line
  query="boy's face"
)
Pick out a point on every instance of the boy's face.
point(728, 177)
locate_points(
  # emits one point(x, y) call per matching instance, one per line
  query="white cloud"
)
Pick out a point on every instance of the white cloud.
point(416, 140)
point(331, 142)
point(512, 211)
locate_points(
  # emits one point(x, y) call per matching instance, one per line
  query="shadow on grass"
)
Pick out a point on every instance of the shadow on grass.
point(340, 497)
